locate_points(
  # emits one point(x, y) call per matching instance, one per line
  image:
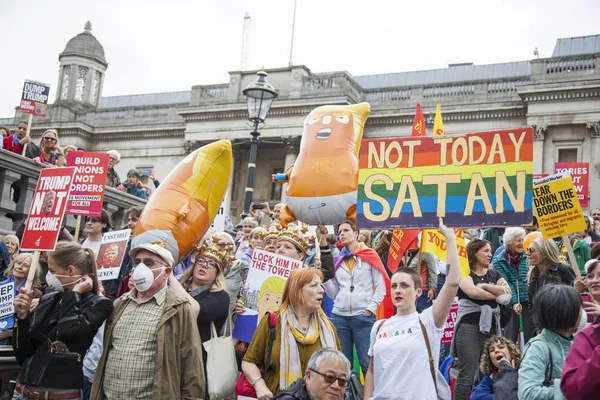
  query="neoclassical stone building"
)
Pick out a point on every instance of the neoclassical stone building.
point(559, 96)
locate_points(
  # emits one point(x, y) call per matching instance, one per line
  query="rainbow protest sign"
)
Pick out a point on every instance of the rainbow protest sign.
point(478, 179)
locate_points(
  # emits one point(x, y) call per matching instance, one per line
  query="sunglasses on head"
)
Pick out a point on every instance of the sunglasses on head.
point(148, 262)
point(329, 379)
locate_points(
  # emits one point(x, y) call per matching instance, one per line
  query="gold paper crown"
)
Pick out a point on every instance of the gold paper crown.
point(271, 232)
point(209, 249)
point(295, 235)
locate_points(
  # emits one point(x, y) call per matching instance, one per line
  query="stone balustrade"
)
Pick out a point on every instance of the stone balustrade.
point(23, 173)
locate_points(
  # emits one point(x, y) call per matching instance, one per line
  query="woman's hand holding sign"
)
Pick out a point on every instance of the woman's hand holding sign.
point(23, 303)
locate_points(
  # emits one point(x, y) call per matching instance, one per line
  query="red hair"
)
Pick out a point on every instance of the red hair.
point(292, 293)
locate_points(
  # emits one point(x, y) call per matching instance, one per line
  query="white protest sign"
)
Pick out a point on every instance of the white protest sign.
point(111, 253)
point(218, 224)
point(266, 279)
point(7, 308)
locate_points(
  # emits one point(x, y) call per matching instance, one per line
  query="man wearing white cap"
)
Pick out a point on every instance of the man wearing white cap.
point(152, 349)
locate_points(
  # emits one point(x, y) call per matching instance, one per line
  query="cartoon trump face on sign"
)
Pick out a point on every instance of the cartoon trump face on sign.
point(269, 297)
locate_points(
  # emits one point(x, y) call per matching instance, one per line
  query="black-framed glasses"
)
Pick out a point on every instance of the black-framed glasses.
point(204, 263)
point(92, 220)
point(148, 262)
point(329, 379)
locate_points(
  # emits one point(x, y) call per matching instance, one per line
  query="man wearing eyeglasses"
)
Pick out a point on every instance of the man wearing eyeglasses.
point(152, 348)
point(326, 378)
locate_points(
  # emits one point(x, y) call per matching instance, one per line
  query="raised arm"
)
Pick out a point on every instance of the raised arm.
point(441, 307)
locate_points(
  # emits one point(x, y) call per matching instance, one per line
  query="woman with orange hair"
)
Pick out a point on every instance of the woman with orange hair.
point(302, 328)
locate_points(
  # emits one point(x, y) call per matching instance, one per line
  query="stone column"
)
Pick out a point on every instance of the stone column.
point(7, 205)
point(230, 184)
point(594, 194)
point(117, 214)
point(239, 175)
point(538, 148)
point(292, 146)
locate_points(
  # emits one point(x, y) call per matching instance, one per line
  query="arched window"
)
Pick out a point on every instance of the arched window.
point(81, 79)
point(64, 90)
point(95, 86)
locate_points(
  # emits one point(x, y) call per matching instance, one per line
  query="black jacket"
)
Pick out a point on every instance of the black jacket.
point(506, 382)
point(69, 317)
point(295, 392)
point(556, 273)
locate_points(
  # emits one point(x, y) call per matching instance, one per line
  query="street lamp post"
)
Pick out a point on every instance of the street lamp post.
point(259, 95)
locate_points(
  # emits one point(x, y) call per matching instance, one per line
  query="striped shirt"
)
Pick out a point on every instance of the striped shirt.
point(129, 372)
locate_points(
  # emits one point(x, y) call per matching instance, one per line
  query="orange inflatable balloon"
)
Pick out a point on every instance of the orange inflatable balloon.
point(181, 210)
point(323, 182)
point(530, 238)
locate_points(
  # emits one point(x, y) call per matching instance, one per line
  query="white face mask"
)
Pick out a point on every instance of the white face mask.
point(56, 285)
point(583, 322)
point(143, 277)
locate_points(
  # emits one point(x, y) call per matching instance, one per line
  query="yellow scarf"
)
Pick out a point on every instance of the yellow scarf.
point(320, 329)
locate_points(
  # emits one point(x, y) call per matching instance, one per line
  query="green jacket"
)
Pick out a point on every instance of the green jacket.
point(583, 252)
point(513, 278)
point(179, 372)
point(535, 367)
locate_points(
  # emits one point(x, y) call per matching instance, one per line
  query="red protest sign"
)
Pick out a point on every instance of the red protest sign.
point(47, 209)
point(580, 172)
point(87, 190)
point(401, 239)
point(449, 325)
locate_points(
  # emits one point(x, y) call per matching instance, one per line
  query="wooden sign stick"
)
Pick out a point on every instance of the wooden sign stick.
point(77, 227)
point(33, 269)
point(572, 259)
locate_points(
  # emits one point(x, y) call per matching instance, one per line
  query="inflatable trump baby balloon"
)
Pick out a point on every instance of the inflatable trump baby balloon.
point(181, 210)
point(323, 182)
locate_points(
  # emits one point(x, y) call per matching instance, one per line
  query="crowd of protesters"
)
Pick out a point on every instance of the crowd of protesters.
point(526, 327)
point(48, 153)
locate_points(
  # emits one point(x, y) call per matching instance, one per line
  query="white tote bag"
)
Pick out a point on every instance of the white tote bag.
point(221, 365)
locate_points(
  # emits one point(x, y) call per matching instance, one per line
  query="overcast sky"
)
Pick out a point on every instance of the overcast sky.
point(154, 47)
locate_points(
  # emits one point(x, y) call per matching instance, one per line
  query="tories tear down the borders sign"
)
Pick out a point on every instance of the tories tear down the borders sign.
point(34, 99)
point(47, 209)
point(478, 179)
point(580, 173)
point(87, 190)
point(556, 206)
point(111, 253)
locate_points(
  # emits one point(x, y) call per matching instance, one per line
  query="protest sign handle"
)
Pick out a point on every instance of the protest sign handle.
point(572, 259)
point(33, 269)
point(77, 227)
point(28, 131)
point(419, 262)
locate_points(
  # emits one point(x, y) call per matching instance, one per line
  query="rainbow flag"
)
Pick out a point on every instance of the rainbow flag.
point(479, 179)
